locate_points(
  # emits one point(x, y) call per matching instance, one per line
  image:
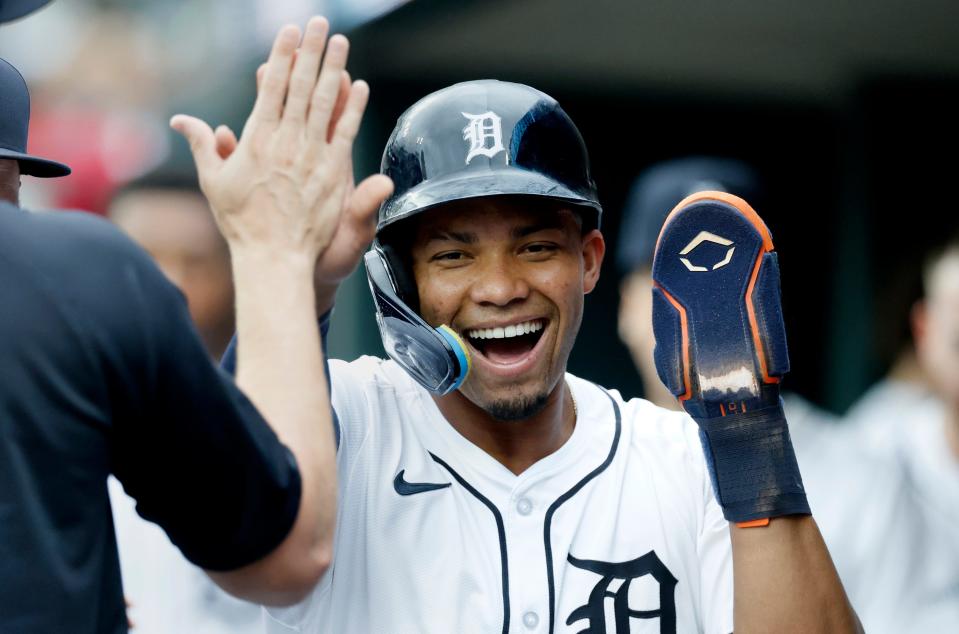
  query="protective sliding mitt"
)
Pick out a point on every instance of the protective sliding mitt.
point(721, 349)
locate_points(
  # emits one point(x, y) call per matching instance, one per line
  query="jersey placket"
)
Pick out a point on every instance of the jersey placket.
point(529, 596)
point(532, 495)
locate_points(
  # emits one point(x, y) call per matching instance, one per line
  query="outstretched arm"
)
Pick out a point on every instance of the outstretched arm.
point(281, 195)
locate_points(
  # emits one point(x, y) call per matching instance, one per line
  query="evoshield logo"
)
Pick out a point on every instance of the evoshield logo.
point(484, 133)
point(705, 236)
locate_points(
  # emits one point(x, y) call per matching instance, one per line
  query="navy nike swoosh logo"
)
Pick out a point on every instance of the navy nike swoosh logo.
point(412, 488)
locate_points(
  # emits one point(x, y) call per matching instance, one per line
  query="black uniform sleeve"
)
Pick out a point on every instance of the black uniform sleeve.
point(188, 445)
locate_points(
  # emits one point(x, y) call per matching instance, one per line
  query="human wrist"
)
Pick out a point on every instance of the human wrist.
point(277, 282)
point(262, 262)
point(753, 465)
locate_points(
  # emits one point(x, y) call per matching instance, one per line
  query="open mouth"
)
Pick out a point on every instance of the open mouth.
point(507, 345)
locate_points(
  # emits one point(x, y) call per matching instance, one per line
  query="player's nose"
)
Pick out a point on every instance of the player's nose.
point(498, 282)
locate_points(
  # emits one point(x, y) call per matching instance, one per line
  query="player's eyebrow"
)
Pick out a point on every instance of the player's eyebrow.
point(540, 225)
point(453, 236)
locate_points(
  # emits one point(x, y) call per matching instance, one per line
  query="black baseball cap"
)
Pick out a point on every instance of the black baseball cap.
point(14, 124)
point(661, 187)
point(15, 9)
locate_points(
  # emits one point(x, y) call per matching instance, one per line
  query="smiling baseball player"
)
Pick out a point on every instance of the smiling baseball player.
point(481, 487)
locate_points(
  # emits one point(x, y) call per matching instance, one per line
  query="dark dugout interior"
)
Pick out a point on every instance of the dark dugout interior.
point(847, 113)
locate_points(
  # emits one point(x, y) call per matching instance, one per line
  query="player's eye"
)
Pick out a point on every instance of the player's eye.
point(540, 248)
point(448, 256)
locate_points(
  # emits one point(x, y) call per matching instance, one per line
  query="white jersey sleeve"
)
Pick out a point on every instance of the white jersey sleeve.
point(352, 386)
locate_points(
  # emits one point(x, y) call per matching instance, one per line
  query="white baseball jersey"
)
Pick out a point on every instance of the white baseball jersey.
point(617, 531)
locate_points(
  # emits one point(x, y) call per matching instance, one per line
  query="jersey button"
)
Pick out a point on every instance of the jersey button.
point(530, 620)
point(525, 507)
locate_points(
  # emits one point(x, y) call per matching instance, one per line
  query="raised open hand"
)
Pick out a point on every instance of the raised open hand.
point(286, 187)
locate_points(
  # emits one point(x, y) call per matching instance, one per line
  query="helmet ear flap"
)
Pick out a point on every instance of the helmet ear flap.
point(403, 280)
point(437, 358)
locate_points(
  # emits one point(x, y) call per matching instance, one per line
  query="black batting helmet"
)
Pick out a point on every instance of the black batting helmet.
point(485, 138)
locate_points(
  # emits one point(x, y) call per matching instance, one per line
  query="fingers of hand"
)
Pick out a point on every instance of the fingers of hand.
point(272, 90)
point(326, 93)
point(349, 123)
point(366, 200)
point(341, 96)
point(303, 78)
point(358, 225)
point(226, 141)
point(202, 143)
point(260, 74)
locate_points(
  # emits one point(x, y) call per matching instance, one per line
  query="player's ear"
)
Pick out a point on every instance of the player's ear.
point(594, 248)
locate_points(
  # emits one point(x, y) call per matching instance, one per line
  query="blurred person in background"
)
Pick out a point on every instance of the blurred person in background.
point(909, 425)
point(906, 386)
point(930, 446)
point(895, 472)
point(166, 213)
point(866, 503)
point(936, 330)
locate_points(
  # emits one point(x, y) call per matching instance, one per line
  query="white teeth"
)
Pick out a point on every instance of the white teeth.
point(514, 330)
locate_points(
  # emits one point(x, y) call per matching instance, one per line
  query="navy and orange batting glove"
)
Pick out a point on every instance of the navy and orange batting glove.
point(721, 350)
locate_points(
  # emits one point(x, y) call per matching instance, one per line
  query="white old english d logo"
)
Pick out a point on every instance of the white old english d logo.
point(484, 133)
